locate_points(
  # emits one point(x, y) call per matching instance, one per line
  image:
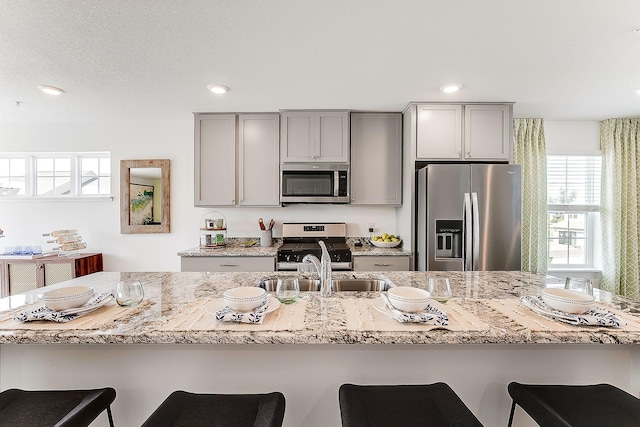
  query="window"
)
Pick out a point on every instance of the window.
point(57, 175)
point(573, 192)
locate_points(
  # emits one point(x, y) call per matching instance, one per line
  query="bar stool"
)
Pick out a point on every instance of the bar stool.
point(403, 405)
point(576, 405)
point(237, 410)
point(62, 408)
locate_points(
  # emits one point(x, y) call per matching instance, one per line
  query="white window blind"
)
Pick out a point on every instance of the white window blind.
point(573, 182)
point(573, 192)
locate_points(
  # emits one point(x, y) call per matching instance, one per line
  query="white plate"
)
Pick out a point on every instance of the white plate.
point(274, 304)
point(380, 305)
point(86, 308)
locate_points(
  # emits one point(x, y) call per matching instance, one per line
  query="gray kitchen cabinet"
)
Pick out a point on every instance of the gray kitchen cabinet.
point(464, 132)
point(251, 138)
point(487, 131)
point(227, 263)
point(215, 159)
point(258, 160)
point(381, 263)
point(314, 136)
point(376, 159)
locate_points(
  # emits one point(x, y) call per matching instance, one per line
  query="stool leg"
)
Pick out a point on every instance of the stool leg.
point(513, 408)
point(110, 416)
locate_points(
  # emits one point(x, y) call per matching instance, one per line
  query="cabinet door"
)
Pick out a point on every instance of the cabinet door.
point(487, 132)
point(215, 159)
point(332, 136)
point(297, 138)
point(259, 166)
point(439, 132)
point(381, 263)
point(56, 272)
point(376, 159)
point(22, 276)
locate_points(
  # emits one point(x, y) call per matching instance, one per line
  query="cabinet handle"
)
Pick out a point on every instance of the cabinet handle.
point(468, 153)
point(229, 265)
point(382, 265)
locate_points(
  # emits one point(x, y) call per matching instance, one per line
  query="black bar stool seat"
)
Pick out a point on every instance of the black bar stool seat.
point(433, 405)
point(576, 405)
point(182, 408)
point(60, 408)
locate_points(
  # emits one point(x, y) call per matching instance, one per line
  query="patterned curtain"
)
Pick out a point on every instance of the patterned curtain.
point(620, 213)
point(530, 151)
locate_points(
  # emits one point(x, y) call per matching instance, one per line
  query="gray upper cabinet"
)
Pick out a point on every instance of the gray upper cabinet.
point(376, 159)
point(487, 131)
point(314, 136)
point(215, 159)
point(463, 132)
point(236, 159)
point(258, 160)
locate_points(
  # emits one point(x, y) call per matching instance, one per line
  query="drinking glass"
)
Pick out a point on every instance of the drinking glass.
point(129, 293)
point(288, 290)
point(579, 284)
point(439, 288)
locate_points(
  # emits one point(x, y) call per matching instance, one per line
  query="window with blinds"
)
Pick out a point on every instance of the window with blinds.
point(573, 205)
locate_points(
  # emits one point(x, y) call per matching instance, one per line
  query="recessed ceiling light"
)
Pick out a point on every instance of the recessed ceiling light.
point(636, 30)
point(51, 90)
point(636, 91)
point(451, 88)
point(218, 89)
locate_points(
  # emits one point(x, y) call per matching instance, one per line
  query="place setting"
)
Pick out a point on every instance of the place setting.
point(245, 308)
point(573, 305)
point(57, 307)
point(403, 308)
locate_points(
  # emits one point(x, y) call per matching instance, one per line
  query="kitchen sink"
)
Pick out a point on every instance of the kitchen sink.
point(371, 285)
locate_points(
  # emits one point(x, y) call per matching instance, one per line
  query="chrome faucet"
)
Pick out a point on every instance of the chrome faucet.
point(323, 268)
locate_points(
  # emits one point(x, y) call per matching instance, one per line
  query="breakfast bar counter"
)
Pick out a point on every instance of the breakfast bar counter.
point(307, 349)
point(179, 308)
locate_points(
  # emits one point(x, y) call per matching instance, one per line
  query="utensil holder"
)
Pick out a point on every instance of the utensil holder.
point(266, 238)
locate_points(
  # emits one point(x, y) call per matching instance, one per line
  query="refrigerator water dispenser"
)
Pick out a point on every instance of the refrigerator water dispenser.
point(448, 238)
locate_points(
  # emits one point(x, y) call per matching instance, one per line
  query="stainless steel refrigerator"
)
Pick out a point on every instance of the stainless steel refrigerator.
point(469, 217)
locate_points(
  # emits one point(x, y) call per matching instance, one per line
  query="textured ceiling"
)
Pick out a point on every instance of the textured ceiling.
point(152, 60)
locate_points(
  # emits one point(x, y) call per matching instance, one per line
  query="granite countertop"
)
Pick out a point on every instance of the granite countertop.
point(168, 296)
point(251, 247)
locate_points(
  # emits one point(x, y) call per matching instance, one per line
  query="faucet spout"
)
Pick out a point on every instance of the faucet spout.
point(325, 271)
point(323, 267)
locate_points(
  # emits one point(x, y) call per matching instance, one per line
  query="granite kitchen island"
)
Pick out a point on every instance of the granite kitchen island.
point(306, 350)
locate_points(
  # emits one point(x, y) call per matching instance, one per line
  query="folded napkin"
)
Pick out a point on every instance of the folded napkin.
point(256, 316)
point(430, 315)
point(45, 313)
point(594, 317)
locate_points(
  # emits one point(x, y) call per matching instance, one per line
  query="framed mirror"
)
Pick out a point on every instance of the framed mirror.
point(144, 196)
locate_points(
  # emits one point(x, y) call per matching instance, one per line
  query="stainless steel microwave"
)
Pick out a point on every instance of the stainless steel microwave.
point(314, 183)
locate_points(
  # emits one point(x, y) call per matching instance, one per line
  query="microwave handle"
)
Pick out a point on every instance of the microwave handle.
point(336, 183)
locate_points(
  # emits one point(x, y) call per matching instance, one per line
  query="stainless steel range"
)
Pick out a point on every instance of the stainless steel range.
point(299, 239)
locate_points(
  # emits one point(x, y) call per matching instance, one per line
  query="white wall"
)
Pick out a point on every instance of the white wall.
point(572, 137)
point(99, 221)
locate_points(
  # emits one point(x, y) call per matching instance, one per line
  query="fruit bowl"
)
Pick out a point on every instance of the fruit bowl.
point(385, 244)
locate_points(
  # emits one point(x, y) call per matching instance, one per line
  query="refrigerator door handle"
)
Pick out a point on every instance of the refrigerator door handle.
point(476, 230)
point(468, 230)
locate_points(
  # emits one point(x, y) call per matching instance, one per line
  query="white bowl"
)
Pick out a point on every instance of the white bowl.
point(411, 300)
point(65, 298)
point(385, 244)
point(245, 298)
point(566, 300)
